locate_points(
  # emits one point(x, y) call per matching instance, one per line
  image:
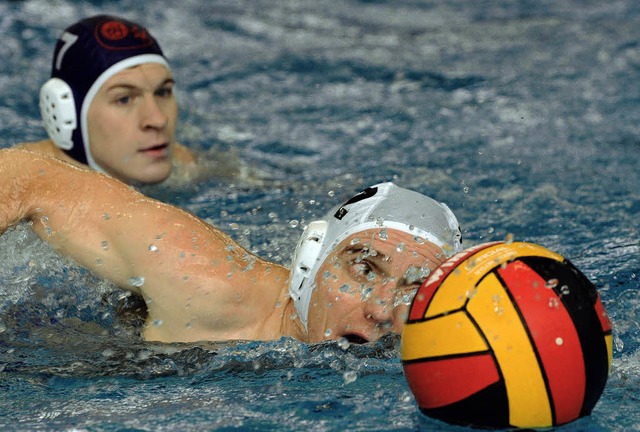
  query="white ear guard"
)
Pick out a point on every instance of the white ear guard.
point(58, 111)
point(304, 261)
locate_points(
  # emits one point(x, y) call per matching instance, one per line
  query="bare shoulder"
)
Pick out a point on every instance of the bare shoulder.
point(48, 148)
point(45, 147)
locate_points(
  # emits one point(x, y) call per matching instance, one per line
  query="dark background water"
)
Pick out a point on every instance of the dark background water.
point(523, 116)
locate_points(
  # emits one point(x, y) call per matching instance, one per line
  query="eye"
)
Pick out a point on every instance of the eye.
point(165, 92)
point(362, 269)
point(123, 100)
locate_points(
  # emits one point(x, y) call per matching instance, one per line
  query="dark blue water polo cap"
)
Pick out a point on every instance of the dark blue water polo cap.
point(87, 54)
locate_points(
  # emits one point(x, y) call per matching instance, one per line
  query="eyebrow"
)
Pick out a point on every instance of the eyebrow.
point(380, 260)
point(373, 254)
point(116, 86)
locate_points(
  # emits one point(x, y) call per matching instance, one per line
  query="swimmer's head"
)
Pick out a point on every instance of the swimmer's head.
point(87, 54)
point(383, 206)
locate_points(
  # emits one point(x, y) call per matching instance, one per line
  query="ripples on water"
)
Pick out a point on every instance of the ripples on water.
point(522, 116)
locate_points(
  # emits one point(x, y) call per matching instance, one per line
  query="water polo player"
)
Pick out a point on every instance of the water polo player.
point(353, 275)
point(110, 104)
point(367, 258)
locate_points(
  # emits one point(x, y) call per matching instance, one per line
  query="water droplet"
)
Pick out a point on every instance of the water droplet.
point(565, 290)
point(400, 247)
point(509, 238)
point(343, 343)
point(157, 323)
point(497, 308)
point(153, 248)
point(106, 216)
point(293, 223)
point(416, 274)
point(559, 341)
point(551, 283)
point(406, 397)
point(618, 342)
point(327, 333)
point(554, 303)
point(365, 292)
point(383, 234)
point(108, 353)
point(104, 244)
point(345, 288)
point(470, 264)
point(136, 281)
point(404, 297)
point(273, 215)
point(234, 226)
point(471, 293)
point(331, 193)
point(350, 376)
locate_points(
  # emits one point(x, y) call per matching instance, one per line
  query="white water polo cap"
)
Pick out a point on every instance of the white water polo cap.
point(86, 55)
point(384, 205)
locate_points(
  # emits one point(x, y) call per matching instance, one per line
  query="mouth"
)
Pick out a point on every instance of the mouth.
point(156, 150)
point(355, 339)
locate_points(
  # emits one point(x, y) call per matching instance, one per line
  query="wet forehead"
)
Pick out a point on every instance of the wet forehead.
point(147, 74)
point(393, 246)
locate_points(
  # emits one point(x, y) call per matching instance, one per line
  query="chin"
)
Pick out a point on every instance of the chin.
point(154, 176)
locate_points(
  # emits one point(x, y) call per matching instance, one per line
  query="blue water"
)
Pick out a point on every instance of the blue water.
point(523, 116)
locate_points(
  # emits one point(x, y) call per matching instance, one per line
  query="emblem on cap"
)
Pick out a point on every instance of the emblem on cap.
point(117, 35)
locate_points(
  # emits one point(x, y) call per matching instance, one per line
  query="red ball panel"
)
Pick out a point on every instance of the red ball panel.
point(440, 382)
point(553, 335)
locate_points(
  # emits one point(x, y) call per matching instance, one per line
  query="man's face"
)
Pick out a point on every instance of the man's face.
point(365, 286)
point(132, 122)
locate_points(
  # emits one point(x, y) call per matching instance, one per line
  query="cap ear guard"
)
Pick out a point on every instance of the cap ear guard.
point(57, 108)
point(303, 264)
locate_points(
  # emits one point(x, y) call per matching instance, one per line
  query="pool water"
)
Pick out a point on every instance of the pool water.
point(523, 116)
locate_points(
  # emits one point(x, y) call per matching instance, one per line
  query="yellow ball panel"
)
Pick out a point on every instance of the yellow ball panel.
point(608, 340)
point(444, 336)
point(494, 312)
point(458, 286)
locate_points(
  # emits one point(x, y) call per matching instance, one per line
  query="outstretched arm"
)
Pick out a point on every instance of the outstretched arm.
point(184, 268)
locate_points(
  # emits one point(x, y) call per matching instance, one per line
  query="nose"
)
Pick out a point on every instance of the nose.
point(153, 116)
point(380, 308)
